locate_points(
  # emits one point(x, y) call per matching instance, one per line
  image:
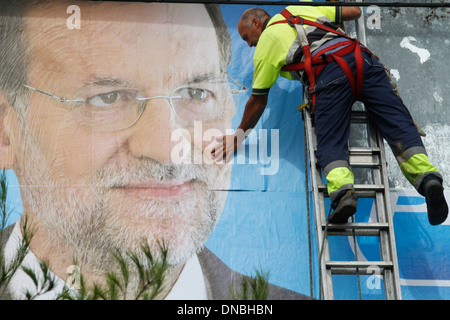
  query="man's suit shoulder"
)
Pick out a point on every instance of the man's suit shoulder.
point(4, 235)
point(220, 278)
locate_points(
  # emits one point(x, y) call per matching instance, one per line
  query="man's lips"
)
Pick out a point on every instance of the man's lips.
point(157, 190)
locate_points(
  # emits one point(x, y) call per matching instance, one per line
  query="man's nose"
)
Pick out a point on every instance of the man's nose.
point(151, 135)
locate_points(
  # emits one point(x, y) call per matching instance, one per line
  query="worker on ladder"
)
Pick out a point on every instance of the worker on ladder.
point(306, 43)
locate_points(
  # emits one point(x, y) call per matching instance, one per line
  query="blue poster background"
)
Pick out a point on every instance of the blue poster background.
point(265, 226)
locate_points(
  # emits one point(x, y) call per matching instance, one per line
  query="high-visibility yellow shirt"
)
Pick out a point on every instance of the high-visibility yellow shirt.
point(279, 44)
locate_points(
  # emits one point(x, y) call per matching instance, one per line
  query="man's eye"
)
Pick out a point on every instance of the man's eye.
point(198, 94)
point(105, 99)
point(194, 94)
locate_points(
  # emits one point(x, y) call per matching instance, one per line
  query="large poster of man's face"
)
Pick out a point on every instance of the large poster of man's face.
point(90, 114)
point(108, 111)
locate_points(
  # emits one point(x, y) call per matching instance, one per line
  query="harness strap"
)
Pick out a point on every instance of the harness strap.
point(291, 19)
point(320, 58)
point(310, 72)
point(314, 65)
point(359, 72)
point(348, 72)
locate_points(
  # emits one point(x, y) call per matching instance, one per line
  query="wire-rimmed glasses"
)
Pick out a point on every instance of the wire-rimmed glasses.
point(120, 108)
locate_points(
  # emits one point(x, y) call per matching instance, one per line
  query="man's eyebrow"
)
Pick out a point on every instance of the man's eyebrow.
point(116, 82)
point(109, 82)
point(204, 78)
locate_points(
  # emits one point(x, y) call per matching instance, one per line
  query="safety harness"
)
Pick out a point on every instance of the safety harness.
point(314, 65)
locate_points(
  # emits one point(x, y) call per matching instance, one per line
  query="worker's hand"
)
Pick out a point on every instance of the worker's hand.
point(226, 146)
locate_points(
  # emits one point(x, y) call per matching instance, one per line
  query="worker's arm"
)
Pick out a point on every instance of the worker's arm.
point(350, 13)
point(227, 145)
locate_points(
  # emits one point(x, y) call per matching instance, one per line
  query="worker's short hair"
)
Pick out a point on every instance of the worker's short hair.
point(257, 13)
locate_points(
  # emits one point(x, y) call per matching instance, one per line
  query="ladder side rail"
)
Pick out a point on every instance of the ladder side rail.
point(389, 219)
point(383, 210)
point(385, 242)
point(373, 157)
point(319, 209)
point(384, 215)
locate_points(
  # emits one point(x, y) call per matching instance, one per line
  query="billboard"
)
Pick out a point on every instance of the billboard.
point(108, 111)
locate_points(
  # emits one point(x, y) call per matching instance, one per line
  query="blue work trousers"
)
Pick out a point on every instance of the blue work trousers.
point(334, 100)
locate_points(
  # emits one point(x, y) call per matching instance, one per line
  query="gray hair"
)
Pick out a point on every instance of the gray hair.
point(222, 34)
point(253, 13)
point(13, 56)
point(14, 59)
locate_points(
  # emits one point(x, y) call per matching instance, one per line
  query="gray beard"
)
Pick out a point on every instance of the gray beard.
point(90, 224)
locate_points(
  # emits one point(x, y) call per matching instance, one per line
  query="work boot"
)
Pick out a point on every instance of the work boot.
point(344, 207)
point(431, 188)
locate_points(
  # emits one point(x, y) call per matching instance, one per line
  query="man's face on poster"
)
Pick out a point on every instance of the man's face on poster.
point(97, 171)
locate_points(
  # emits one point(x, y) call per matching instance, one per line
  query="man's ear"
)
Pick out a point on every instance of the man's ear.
point(256, 22)
point(8, 121)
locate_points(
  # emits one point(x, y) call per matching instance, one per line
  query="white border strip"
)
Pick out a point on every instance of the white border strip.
point(425, 283)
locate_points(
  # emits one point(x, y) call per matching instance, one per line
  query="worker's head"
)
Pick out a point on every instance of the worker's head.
point(251, 24)
point(96, 169)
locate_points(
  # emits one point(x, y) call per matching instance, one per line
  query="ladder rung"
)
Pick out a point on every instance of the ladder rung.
point(357, 233)
point(364, 162)
point(357, 229)
point(367, 157)
point(359, 116)
point(362, 190)
point(360, 156)
point(358, 225)
point(368, 190)
point(353, 267)
point(364, 150)
point(359, 187)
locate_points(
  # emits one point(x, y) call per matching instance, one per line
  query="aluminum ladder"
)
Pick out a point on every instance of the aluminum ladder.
point(372, 158)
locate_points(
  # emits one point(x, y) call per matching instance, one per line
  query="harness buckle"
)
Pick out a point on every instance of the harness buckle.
point(293, 20)
point(307, 104)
